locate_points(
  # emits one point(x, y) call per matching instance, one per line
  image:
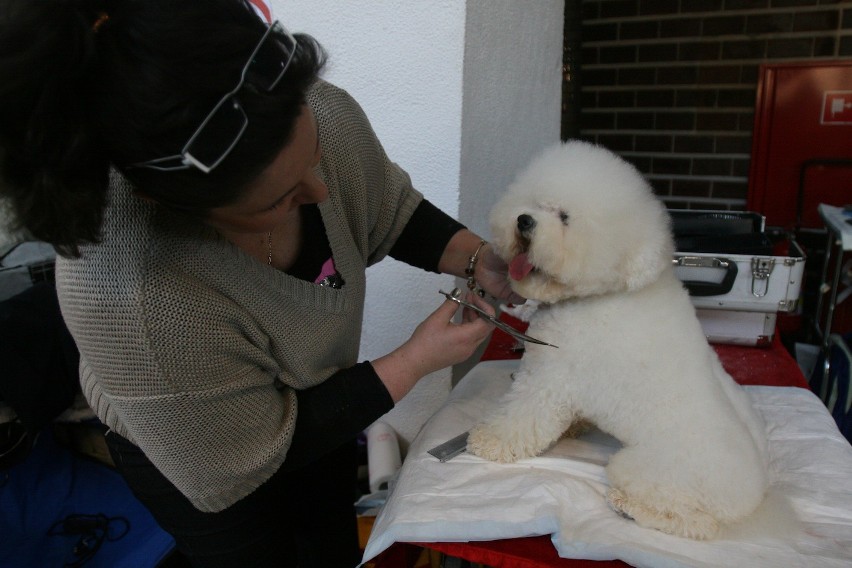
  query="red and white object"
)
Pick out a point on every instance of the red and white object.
point(802, 143)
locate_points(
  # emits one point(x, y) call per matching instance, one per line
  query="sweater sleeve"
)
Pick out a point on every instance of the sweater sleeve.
point(425, 237)
point(335, 411)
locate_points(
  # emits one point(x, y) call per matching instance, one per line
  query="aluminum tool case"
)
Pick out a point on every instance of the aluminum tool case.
point(737, 277)
point(732, 327)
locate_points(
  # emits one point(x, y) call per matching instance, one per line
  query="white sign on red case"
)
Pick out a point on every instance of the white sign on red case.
point(836, 107)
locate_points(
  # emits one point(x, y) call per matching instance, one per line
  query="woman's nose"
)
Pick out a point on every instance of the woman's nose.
point(315, 190)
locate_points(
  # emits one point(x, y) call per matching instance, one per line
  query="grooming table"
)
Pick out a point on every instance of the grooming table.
point(533, 543)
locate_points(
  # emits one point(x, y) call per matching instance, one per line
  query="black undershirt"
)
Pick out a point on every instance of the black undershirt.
point(428, 224)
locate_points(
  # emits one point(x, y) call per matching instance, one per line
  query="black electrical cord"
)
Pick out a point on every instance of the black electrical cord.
point(93, 531)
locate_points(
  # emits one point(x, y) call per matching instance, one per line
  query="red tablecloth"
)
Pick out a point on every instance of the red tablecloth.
point(772, 366)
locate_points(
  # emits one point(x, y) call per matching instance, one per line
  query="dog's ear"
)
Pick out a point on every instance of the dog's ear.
point(644, 267)
point(649, 254)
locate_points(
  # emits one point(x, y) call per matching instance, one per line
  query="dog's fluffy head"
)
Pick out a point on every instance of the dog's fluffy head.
point(581, 221)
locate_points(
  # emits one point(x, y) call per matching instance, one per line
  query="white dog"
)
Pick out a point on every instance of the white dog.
point(586, 238)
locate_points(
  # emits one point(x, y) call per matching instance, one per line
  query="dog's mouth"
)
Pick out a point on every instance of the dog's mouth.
point(520, 265)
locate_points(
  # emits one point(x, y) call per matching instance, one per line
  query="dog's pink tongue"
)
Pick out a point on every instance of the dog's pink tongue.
point(520, 266)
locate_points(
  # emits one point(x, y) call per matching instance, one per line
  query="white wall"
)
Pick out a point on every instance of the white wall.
point(461, 93)
point(512, 96)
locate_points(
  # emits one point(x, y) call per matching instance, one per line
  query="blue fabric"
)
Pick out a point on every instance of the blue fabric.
point(53, 483)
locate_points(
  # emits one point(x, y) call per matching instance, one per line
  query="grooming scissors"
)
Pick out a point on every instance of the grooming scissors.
point(455, 297)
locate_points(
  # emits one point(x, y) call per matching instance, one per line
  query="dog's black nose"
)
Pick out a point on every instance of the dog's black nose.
point(525, 222)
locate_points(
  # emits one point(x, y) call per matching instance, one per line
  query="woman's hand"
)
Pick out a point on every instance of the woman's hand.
point(492, 275)
point(436, 343)
point(491, 272)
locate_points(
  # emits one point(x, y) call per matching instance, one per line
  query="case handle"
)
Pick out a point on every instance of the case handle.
point(699, 288)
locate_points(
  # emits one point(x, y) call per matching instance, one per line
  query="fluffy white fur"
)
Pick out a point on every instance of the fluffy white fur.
point(632, 357)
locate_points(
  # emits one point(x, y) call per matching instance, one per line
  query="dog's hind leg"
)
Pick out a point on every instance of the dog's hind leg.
point(635, 493)
point(526, 423)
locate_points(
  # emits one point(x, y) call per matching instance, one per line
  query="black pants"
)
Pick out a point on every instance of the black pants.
point(302, 518)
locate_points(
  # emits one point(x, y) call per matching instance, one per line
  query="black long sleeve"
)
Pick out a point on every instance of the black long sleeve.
point(425, 237)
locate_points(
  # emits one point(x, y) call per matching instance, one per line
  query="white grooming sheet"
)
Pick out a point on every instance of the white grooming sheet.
point(561, 493)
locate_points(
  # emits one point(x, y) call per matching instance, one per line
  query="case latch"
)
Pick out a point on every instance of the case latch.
point(761, 269)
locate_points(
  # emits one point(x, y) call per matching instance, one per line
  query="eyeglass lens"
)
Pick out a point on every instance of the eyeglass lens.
point(223, 127)
point(215, 139)
point(271, 59)
point(218, 135)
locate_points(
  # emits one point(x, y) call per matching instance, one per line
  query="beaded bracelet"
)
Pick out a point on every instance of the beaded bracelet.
point(471, 267)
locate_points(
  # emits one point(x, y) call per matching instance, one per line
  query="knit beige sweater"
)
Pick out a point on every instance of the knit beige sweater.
point(182, 335)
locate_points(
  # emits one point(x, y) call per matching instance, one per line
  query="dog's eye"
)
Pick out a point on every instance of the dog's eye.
point(563, 216)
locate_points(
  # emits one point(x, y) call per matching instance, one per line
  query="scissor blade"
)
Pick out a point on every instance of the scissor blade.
point(502, 325)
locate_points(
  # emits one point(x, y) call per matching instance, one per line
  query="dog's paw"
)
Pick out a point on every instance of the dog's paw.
point(486, 443)
point(678, 520)
point(616, 501)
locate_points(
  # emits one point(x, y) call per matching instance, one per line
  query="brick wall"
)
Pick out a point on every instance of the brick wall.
point(670, 84)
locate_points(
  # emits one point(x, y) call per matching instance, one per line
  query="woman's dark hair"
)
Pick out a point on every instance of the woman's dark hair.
point(77, 98)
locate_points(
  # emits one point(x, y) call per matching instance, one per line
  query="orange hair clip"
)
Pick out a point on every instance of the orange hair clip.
point(103, 18)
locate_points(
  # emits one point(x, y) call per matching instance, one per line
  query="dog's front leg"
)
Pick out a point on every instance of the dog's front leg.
point(528, 420)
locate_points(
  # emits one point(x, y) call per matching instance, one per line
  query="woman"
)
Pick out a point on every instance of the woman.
point(216, 206)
